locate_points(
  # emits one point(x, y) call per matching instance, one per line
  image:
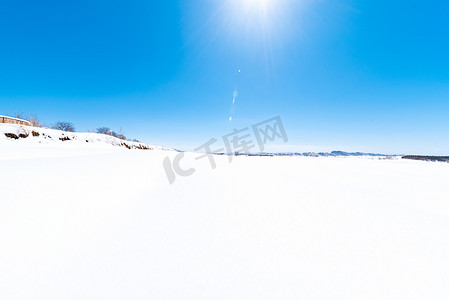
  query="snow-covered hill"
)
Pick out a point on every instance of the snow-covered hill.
point(38, 135)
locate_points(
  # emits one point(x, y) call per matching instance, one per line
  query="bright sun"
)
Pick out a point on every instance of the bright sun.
point(256, 15)
point(261, 5)
point(257, 20)
point(256, 9)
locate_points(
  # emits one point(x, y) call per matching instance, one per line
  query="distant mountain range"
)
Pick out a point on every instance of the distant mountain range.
point(314, 154)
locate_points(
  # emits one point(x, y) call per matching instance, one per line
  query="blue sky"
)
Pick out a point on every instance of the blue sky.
point(343, 75)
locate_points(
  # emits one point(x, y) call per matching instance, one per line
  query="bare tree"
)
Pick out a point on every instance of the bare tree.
point(121, 134)
point(18, 115)
point(108, 131)
point(64, 126)
point(104, 130)
point(34, 120)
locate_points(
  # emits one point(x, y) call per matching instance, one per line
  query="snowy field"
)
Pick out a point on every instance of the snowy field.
point(83, 220)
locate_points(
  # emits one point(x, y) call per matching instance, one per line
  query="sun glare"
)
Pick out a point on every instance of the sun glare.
point(258, 7)
point(256, 13)
point(254, 3)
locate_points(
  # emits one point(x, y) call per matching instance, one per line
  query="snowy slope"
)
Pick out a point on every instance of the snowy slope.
point(106, 224)
point(38, 135)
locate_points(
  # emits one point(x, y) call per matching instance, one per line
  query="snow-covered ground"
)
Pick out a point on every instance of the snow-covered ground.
point(53, 141)
point(89, 221)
